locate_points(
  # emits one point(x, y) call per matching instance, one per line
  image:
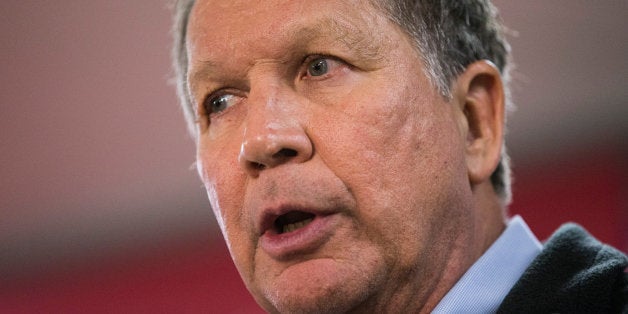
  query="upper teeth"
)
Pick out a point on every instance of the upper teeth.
point(294, 226)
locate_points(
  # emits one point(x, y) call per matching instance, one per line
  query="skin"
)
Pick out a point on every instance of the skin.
point(397, 174)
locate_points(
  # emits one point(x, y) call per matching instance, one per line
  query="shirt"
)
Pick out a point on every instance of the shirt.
point(485, 285)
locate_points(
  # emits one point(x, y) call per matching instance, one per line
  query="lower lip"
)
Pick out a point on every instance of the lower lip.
point(304, 240)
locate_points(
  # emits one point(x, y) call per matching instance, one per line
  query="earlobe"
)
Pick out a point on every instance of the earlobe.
point(482, 99)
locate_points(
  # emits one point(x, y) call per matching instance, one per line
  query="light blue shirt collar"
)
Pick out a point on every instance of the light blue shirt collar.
point(485, 285)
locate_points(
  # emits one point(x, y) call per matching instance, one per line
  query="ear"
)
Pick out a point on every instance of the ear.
point(480, 93)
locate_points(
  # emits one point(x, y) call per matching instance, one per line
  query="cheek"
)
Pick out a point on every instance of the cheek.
point(399, 153)
point(225, 184)
point(377, 136)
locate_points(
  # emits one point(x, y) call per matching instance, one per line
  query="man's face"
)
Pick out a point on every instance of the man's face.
point(335, 169)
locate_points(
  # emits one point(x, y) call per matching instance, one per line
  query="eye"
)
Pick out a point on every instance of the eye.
point(321, 67)
point(318, 67)
point(219, 103)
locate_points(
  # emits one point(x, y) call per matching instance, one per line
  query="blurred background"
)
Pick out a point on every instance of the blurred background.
point(100, 210)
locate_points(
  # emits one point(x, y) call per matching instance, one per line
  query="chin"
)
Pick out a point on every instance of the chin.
point(330, 301)
point(317, 287)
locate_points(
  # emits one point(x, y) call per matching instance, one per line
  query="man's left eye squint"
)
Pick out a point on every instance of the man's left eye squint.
point(318, 67)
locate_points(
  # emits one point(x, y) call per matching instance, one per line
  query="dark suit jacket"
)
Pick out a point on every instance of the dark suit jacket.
point(574, 273)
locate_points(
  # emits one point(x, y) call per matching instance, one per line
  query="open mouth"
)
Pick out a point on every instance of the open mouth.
point(292, 221)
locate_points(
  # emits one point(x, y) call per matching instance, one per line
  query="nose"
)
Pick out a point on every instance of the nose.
point(274, 134)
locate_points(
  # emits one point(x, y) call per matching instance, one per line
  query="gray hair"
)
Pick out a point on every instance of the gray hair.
point(449, 34)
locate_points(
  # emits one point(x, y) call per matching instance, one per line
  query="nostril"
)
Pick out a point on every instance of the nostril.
point(285, 153)
point(258, 166)
point(277, 158)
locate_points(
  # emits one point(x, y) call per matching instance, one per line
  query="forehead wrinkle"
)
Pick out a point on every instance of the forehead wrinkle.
point(341, 30)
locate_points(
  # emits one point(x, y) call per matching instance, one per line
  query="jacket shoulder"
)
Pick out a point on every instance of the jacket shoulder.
point(574, 273)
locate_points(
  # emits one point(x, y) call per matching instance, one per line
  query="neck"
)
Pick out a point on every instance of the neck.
point(490, 219)
point(486, 224)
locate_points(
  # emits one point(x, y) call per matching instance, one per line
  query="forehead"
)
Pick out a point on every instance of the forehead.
point(222, 26)
point(236, 15)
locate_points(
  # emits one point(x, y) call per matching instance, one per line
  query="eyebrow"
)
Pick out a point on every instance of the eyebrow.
point(337, 30)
